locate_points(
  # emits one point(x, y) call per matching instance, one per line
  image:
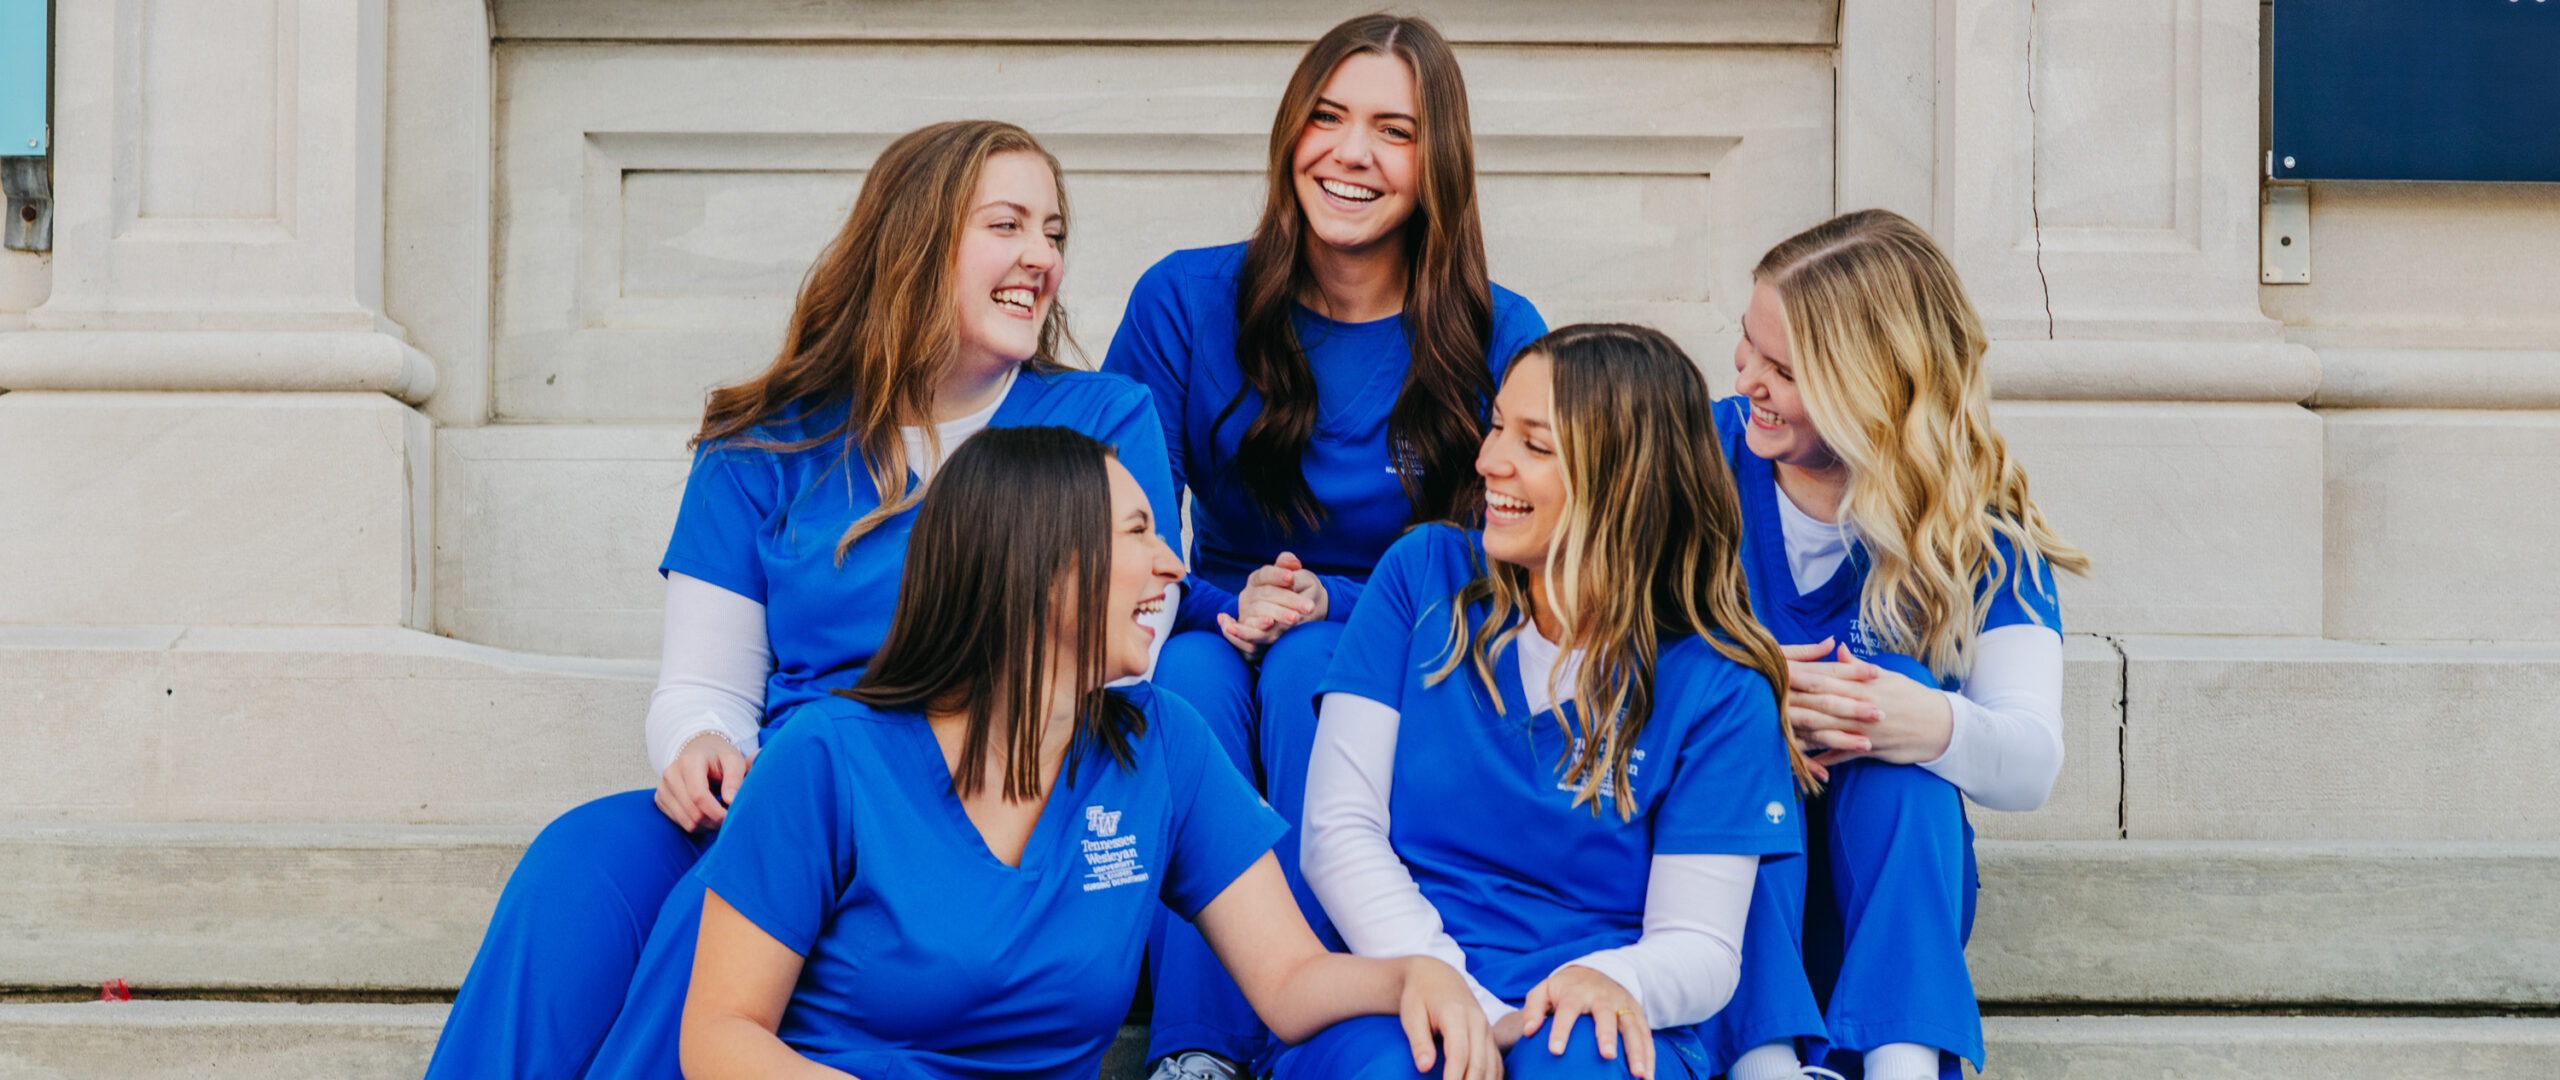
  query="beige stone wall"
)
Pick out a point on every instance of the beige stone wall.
point(422, 360)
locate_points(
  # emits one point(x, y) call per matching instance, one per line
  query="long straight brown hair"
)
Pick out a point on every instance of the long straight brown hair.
point(1647, 551)
point(876, 326)
point(1009, 563)
point(1448, 305)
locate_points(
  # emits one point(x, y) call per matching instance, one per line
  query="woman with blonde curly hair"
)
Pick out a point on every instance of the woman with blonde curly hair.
point(1894, 551)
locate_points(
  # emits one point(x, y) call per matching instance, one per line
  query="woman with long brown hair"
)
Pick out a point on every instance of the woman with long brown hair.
point(1896, 554)
point(1322, 387)
point(931, 316)
point(947, 870)
point(1551, 751)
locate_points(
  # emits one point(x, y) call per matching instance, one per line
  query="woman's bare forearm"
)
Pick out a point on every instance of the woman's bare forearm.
point(1328, 988)
point(732, 1047)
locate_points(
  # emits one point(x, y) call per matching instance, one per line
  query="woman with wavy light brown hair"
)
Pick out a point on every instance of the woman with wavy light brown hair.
point(1895, 552)
point(1550, 752)
point(1322, 387)
point(930, 317)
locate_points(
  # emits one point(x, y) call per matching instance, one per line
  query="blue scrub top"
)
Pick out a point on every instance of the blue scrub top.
point(928, 958)
point(1179, 338)
point(764, 524)
point(1524, 880)
point(1831, 609)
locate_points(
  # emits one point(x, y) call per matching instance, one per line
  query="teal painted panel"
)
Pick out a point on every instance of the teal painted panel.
point(22, 77)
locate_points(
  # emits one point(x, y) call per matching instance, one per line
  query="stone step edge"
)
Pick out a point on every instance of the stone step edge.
point(2061, 923)
point(361, 1042)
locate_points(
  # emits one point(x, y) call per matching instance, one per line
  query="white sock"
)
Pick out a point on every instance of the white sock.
point(1902, 1061)
point(1770, 1061)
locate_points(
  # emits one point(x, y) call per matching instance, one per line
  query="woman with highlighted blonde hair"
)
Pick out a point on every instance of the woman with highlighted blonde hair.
point(1550, 753)
point(1894, 551)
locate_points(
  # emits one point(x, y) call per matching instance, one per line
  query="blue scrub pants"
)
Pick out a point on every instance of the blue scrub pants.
point(568, 933)
point(1374, 1048)
point(1890, 908)
point(1267, 723)
point(645, 1041)
point(1772, 999)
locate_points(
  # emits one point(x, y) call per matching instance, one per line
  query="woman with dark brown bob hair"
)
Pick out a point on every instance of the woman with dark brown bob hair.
point(947, 870)
point(931, 316)
point(1323, 387)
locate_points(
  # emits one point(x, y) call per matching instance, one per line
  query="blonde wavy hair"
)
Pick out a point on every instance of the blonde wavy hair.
point(1648, 549)
point(1888, 355)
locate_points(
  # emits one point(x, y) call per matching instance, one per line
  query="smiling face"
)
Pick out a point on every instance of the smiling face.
point(1142, 567)
point(1523, 476)
point(1009, 261)
point(1764, 372)
point(1357, 165)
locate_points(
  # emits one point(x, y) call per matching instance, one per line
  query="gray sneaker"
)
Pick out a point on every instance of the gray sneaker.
point(1196, 1065)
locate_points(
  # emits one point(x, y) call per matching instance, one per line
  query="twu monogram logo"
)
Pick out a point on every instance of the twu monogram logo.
point(1102, 822)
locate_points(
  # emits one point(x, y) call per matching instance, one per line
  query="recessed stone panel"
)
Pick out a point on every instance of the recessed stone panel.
point(661, 203)
point(2200, 518)
point(2439, 524)
point(549, 536)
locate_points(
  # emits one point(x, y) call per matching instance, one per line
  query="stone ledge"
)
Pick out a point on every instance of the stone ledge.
point(226, 360)
point(148, 1040)
point(2082, 922)
point(248, 724)
point(215, 907)
point(217, 1040)
point(2306, 739)
point(2269, 1048)
point(2267, 923)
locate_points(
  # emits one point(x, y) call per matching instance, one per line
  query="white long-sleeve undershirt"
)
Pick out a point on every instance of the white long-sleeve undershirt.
point(1681, 970)
point(2005, 749)
point(716, 657)
point(712, 669)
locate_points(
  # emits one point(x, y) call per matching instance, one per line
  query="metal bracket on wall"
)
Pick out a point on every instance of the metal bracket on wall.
point(2284, 235)
point(29, 183)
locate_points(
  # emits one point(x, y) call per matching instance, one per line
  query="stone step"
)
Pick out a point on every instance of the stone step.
point(226, 907)
point(2270, 1048)
point(216, 1040)
point(2061, 922)
point(220, 1040)
point(2168, 738)
point(353, 725)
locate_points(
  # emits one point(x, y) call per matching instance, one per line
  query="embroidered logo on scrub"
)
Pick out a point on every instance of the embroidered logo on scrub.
point(1111, 860)
point(1635, 767)
point(1776, 813)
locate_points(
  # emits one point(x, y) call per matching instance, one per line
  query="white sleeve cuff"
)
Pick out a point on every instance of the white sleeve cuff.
point(2004, 746)
point(711, 671)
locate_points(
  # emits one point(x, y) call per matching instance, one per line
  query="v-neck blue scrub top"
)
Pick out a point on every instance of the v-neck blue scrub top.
point(1179, 339)
point(1524, 880)
point(764, 524)
point(1831, 609)
point(929, 959)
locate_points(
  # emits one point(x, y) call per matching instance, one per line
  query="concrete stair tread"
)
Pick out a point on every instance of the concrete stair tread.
point(222, 1040)
point(390, 907)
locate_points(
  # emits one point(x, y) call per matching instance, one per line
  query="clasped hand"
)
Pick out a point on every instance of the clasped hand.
point(1276, 599)
point(1841, 708)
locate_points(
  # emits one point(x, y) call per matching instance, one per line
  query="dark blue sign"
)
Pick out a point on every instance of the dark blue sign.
point(2416, 90)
